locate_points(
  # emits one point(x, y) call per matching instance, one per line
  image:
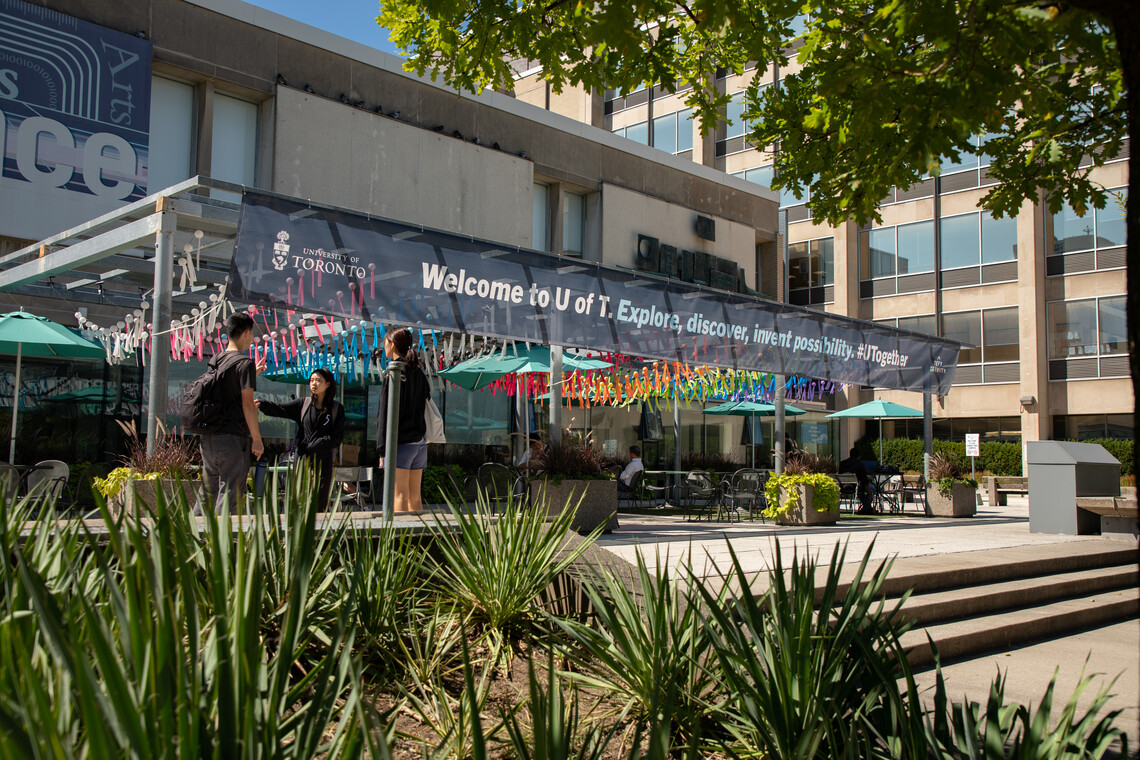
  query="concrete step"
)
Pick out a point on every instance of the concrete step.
point(985, 633)
point(972, 601)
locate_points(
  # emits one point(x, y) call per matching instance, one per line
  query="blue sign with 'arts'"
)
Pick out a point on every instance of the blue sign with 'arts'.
point(74, 104)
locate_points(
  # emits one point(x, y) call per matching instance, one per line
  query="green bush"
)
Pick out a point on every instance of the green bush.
point(997, 457)
point(442, 483)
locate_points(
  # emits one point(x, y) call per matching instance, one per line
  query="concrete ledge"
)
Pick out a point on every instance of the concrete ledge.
point(1109, 506)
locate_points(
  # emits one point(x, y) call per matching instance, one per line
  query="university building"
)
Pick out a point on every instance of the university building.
point(1038, 298)
point(106, 103)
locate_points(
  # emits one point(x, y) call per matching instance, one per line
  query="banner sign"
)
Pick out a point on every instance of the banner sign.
point(74, 105)
point(293, 256)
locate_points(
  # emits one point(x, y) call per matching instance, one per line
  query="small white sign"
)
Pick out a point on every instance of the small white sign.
point(973, 447)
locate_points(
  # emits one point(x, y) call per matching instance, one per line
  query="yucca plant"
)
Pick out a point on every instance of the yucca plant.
point(151, 646)
point(652, 654)
point(494, 570)
point(802, 683)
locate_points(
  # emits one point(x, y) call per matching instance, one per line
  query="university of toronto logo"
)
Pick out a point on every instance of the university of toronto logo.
point(281, 251)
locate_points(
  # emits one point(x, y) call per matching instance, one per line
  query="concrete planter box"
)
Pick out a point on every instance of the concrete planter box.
point(805, 513)
point(598, 501)
point(962, 501)
point(139, 496)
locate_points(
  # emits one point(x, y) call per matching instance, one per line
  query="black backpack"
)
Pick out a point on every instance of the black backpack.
point(203, 409)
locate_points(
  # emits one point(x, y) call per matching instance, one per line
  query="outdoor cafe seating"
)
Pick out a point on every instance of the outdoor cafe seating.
point(744, 490)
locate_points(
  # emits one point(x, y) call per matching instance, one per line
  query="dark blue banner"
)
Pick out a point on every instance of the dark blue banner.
point(292, 256)
point(74, 104)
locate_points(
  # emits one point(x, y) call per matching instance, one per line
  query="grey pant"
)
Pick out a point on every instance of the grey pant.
point(225, 468)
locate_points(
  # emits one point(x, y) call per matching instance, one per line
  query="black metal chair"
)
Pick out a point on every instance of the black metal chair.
point(500, 484)
point(744, 490)
point(698, 493)
point(635, 495)
point(913, 486)
point(848, 490)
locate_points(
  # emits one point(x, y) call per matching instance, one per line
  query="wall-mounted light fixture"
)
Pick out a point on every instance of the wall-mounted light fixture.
point(1027, 400)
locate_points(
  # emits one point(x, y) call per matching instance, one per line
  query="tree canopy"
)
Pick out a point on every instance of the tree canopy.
point(872, 94)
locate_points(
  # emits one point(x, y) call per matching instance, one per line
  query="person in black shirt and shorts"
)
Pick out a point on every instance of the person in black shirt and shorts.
point(411, 449)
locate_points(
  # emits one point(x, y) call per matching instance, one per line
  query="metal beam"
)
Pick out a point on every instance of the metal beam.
point(85, 252)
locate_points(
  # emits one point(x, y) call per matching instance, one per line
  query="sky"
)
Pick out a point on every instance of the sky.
point(353, 19)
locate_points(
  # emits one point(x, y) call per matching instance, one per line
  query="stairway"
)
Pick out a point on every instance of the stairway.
point(974, 602)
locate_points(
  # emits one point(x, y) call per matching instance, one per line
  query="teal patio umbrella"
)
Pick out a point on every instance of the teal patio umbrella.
point(26, 334)
point(879, 410)
point(752, 409)
point(481, 371)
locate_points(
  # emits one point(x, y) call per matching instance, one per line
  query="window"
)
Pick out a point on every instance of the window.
point(760, 175)
point(966, 328)
point(960, 241)
point(673, 133)
point(999, 239)
point(916, 247)
point(638, 132)
point(1000, 335)
point(573, 224)
point(896, 252)
point(811, 272)
point(1093, 241)
point(172, 133)
point(991, 345)
point(540, 219)
point(1087, 339)
point(926, 324)
point(735, 125)
point(234, 152)
point(971, 243)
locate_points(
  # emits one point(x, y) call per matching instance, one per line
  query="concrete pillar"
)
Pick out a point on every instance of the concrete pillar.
point(160, 346)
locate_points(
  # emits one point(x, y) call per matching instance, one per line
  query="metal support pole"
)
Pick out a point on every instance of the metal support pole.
point(15, 404)
point(927, 435)
point(779, 431)
point(395, 374)
point(555, 395)
point(160, 323)
point(676, 436)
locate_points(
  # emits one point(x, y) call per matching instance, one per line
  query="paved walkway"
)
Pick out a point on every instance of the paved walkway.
point(1113, 650)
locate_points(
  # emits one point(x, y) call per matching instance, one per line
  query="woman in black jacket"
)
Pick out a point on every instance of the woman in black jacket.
point(320, 426)
point(411, 448)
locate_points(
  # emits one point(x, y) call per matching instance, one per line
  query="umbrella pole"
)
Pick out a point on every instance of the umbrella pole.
point(880, 441)
point(15, 405)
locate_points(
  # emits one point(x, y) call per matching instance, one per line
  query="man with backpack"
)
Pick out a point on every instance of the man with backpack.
point(231, 432)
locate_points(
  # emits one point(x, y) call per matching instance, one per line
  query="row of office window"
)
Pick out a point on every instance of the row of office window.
point(174, 128)
point(1090, 242)
point(672, 132)
point(990, 342)
point(1088, 338)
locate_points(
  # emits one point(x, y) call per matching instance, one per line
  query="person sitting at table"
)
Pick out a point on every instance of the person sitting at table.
point(625, 480)
point(532, 457)
point(854, 465)
point(320, 426)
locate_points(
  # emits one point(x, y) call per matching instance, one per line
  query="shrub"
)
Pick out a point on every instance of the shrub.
point(714, 462)
point(996, 457)
point(442, 483)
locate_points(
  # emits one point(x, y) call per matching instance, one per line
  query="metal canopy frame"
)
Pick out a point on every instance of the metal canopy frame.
point(138, 242)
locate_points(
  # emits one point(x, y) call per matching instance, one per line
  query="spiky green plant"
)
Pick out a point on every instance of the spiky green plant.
point(151, 644)
point(650, 650)
point(802, 683)
point(495, 569)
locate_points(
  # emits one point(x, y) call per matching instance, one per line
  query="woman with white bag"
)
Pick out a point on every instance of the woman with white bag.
point(411, 448)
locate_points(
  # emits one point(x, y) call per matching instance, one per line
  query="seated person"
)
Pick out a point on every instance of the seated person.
point(625, 480)
point(854, 465)
point(532, 457)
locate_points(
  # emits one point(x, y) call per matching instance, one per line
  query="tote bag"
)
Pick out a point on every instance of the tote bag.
point(434, 421)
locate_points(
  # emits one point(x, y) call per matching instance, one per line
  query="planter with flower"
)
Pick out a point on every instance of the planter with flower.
point(952, 494)
point(805, 494)
point(572, 472)
point(133, 487)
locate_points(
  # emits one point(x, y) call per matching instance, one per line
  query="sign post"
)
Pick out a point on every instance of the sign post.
point(973, 449)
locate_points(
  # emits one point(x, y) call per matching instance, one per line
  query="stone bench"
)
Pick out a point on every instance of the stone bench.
point(999, 487)
point(1118, 514)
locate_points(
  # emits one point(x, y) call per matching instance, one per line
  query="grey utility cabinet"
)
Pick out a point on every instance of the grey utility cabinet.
point(1059, 472)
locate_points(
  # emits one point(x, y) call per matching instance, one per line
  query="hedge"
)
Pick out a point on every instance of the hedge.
point(996, 457)
point(442, 482)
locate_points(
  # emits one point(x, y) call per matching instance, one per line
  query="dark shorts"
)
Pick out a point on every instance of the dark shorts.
point(411, 456)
